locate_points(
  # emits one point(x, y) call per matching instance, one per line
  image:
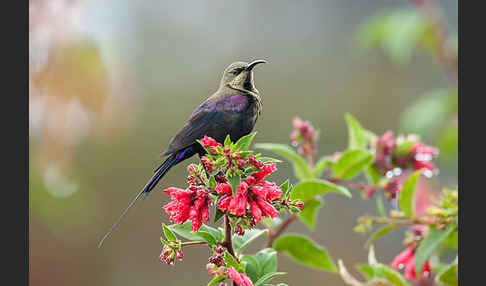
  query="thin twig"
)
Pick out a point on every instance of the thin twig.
point(189, 243)
point(273, 235)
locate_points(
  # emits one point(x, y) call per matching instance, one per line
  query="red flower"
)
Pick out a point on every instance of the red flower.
point(209, 141)
point(267, 169)
point(238, 278)
point(406, 259)
point(252, 191)
point(188, 204)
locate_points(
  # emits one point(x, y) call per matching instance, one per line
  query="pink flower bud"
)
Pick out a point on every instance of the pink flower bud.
point(299, 204)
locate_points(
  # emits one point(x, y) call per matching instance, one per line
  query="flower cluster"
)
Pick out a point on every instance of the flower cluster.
point(403, 153)
point(305, 137)
point(253, 198)
point(192, 203)
point(217, 259)
point(169, 254)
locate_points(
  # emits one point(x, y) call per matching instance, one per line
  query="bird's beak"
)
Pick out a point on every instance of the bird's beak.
point(252, 64)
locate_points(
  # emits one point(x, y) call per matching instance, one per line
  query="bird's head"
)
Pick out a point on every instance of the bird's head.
point(239, 75)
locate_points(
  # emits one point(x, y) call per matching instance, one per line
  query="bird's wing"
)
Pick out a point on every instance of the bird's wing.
point(213, 118)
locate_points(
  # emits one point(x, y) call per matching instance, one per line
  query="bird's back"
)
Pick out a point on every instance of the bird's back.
point(227, 111)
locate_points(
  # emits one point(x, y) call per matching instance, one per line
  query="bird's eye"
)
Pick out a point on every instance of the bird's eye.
point(236, 71)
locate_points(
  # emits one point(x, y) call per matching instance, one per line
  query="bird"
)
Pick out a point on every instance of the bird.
point(232, 110)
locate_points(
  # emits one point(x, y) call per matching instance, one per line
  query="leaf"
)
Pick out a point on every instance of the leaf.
point(321, 165)
point(260, 264)
point(285, 188)
point(234, 180)
point(301, 168)
point(240, 242)
point(430, 243)
point(308, 189)
point(389, 274)
point(168, 233)
point(208, 237)
point(310, 211)
point(356, 135)
point(379, 233)
point(268, 277)
point(212, 182)
point(372, 174)
point(448, 275)
point(302, 249)
point(406, 198)
point(366, 270)
point(428, 112)
point(185, 231)
point(351, 163)
point(216, 280)
point(218, 214)
point(267, 160)
point(228, 258)
point(163, 241)
point(244, 142)
point(398, 33)
point(227, 140)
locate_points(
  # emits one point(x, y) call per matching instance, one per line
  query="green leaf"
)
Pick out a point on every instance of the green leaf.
point(232, 261)
point(234, 180)
point(185, 231)
point(267, 160)
point(430, 243)
point(227, 140)
point(372, 174)
point(321, 165)
point(302, 249)
point(301, 168)
point(429, 111)
point(218, 214)
point(268, 277)
point(260, 264)
point(356, 135)
point(244, 142)
point(216, 280)
point(389, 274)
point(366, 270)
point(168, 233)
point(308, 189)
point(448, 275)
point(285, 188)
point(240, 242)
point(208, 237)
point(212, 182)
point(310, 211)
point(406, 197)
point(351, 163)
point(163, 241)
point(398, 33)
point(379, 233)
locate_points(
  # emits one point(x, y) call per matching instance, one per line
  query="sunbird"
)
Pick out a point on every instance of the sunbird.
point(232, 110)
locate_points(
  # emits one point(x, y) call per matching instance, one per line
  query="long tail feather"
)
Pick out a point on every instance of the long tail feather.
point(159, 173)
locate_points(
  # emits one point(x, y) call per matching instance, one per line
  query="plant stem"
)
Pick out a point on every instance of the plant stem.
point(228, 242)
point(189, 243)
point(273, 235)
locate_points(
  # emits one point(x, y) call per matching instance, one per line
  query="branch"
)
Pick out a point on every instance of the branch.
point(228, 242)
point(273, 235)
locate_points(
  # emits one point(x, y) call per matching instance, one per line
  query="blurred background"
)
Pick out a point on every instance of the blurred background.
point(112, 81)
